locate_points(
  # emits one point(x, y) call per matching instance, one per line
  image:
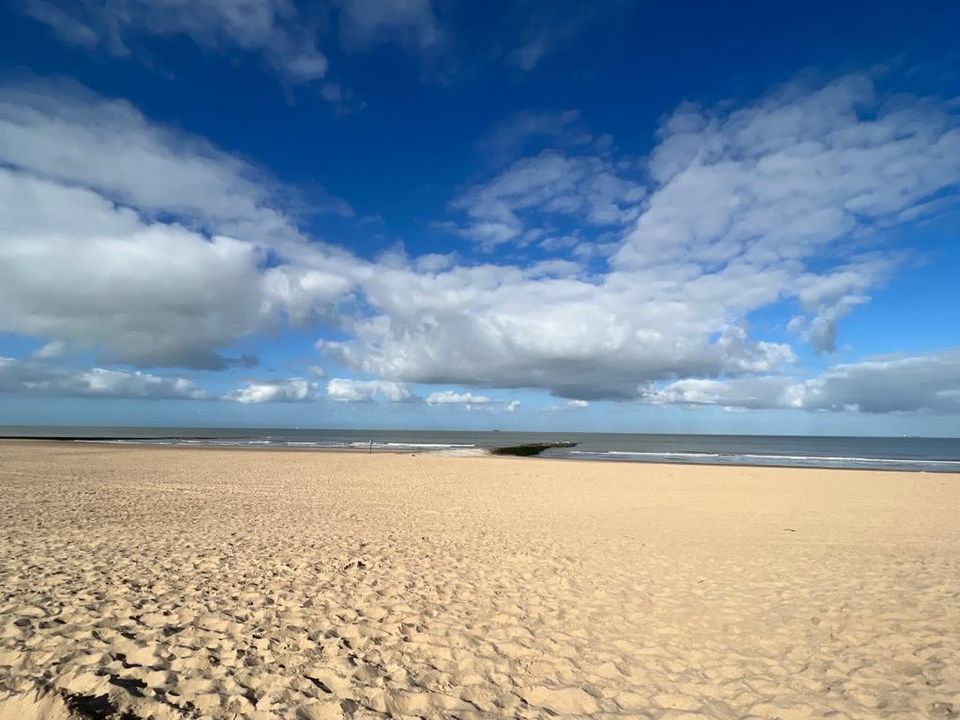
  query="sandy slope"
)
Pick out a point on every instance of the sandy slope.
point(179, 583)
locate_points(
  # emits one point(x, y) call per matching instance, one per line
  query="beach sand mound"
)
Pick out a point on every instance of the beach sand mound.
point(184, 583)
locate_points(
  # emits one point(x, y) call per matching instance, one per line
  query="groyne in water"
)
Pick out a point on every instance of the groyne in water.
point(528, 449)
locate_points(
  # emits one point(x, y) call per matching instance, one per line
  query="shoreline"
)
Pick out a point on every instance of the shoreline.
point(149, 443)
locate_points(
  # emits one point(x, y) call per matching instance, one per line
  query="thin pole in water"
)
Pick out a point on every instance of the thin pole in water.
point(371, 448)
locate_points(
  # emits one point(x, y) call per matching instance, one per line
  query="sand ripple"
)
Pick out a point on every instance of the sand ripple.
point(181, 583)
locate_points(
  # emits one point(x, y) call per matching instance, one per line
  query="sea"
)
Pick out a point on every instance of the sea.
point(865, 453)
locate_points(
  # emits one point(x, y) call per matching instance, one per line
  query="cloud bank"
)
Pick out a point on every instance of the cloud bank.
point(926, 383)
point(778, 202)
point(348, 390)
point(289, 390)
point(153, 248)
point(280, 34)
point(85, 257)
point(26, 377)
point(271, 29)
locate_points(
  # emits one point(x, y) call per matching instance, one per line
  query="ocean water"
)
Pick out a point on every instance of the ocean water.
point(898, 453)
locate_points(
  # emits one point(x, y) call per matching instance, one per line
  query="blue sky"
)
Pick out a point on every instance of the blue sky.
point(608, 216)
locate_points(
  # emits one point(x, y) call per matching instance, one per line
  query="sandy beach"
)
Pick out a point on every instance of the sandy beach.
point(172, 583)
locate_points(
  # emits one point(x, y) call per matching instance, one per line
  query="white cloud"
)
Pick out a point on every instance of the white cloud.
point(802, 168)
point(769, 203)
point(302, 293)
point(567, 406)
point(587, 188)
point(25, 377)
point(749, 392)
point(63, 133)
point(347, 390)
point(52, 349)
point(882, 385)
point(83, 259)
point(471, 401)
point(289, 390)
point(449, 397)
point(282, 35)
point(364, 23)
point(75, 267)
point(511, 138)
point(494, 326)
point(272, 29)
point(830, 296)
point(534, 49)
point(544, 28)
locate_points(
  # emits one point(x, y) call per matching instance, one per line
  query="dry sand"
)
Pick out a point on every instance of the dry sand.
point(173, 583)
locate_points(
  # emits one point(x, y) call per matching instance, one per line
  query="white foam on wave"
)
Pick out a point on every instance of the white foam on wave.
point(466, 451)
point(733, 458)
point(393, 445)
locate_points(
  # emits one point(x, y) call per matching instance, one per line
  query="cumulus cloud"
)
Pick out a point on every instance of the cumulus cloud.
point(587, 188)
point(75, 267)
point(746, 207)
point(830, 296)
point(772, 183)
point(85, 257)
point(348, 390)
point(880, 385)
point(407, 22)
point(27, 377)
point(471, 401)
point(449, 397)
point(271, 29)
point(496, 327)
point(283, 38)
point(289, 390)
point(750, 392)
point(751, 206)
point(61, 132)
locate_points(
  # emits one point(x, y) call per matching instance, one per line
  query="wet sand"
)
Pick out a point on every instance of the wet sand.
point(170, 583)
